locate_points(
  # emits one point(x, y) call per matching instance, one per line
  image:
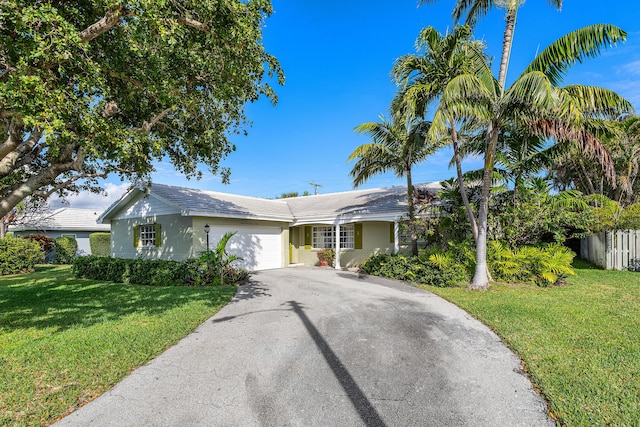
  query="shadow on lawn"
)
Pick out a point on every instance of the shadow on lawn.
point(53, 298)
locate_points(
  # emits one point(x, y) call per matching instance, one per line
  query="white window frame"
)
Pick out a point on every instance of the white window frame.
point(147, 235)
point(324, 237)
point(347, 236)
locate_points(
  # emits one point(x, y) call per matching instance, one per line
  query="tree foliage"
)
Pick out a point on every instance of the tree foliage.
point(93, 87)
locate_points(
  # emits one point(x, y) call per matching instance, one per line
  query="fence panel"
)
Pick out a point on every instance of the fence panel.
point(613, 250)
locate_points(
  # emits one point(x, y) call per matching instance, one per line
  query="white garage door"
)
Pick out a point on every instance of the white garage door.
point(259, 247)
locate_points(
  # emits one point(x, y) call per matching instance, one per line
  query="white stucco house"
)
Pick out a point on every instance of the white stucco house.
point(73, 222)
point(167, 222)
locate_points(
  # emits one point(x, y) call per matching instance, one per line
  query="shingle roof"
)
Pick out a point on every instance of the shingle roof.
point(201, 202)
point(377, 202)
point(72, 219)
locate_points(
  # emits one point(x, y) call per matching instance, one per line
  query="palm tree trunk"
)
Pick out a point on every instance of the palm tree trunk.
point(412, 214)
point(507, 42)
point(481, 275)
point(461, 185)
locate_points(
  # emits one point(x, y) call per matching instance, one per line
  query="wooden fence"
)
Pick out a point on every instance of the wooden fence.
point(613, 250)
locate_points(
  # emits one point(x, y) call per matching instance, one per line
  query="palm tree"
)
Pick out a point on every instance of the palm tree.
point(534, 101)
point(424, 76)
point(396, 146)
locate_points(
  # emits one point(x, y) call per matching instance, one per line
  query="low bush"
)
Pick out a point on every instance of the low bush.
point(416, 269)
point(100, 244)
point(102, 268)
point(47, 244)
point(19, 255)
point(540, 265)
point(191, 272)
point(65, 249)
point(546, 265)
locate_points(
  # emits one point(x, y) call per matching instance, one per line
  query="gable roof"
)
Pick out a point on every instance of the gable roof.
point(64, 219)
point(378, 203)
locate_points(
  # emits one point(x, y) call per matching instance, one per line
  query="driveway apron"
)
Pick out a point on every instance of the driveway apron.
point(319, 347)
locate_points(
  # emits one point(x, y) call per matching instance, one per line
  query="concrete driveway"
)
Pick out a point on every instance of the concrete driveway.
point(319, 347)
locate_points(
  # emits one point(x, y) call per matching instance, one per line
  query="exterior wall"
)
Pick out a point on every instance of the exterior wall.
point(82, 237)
point(375, 239)
point(176, 238)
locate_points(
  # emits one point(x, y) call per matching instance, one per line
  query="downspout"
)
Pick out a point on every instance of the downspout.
point(396, 237)
point(337, 237)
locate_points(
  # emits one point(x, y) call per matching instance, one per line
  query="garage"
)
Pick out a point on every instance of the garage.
point(259, 247)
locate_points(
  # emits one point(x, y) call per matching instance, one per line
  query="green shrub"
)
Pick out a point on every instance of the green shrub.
point(541, 265)
point(416, 269)
point(191, 272)
point(100, 244)
point(47, 244)
point(101, 268)
point(630, 218)
point(19, 255)
point(65, 249)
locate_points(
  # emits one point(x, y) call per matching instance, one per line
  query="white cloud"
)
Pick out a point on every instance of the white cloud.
point(88, 200)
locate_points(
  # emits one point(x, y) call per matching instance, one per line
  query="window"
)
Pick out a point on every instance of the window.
point(324, 237)
point(68, 235)
point(147, 235)
point(347, 236)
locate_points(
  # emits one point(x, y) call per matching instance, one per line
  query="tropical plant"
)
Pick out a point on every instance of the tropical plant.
point(622, 141)
point(215, 262)
point(533, 100)
point(397, 146)
point(423, 77)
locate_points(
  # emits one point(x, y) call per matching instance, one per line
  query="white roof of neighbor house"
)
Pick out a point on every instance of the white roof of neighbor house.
point(64, 219)
point(378, 203)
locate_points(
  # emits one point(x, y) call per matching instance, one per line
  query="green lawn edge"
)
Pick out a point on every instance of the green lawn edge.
point(64, 341)
point(579, 343)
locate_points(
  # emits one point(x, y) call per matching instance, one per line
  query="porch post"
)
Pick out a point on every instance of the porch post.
point(337, 237)
point(396, 237)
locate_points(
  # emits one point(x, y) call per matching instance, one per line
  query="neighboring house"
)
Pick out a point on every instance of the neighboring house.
point(77, 223)
point(168, 222)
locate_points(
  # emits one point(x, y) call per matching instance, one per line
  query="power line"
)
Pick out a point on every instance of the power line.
point(315, 187)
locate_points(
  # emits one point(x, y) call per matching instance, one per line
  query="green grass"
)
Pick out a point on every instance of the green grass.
point(580, 343)
point(65, 341)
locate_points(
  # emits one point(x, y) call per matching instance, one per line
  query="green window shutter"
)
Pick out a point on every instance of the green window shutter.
point(357, 229)
point(158, 229)
point(136, 235)
point(392, 233)
point(307, 237)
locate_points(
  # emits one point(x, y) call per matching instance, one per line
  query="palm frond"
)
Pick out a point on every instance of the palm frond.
point(598, 102)
point(586, 42)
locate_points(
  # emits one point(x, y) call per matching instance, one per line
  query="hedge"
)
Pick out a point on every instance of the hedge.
point(100, 243)
point(19, 255)
point(149, 272)
point(66, 248)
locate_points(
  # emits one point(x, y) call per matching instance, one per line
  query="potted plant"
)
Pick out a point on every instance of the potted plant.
point(326, 257)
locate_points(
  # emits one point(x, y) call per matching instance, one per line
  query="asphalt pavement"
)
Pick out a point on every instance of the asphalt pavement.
point(319, 347)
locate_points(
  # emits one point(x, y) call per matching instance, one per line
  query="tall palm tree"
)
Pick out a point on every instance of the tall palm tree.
point(534, 100)
point(424, 76)
point(396, 146)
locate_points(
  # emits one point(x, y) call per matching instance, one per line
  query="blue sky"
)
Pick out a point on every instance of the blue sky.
point(337, 55)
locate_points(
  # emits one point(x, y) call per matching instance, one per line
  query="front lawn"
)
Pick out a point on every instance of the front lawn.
point(64, 341)
point(580, 342)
